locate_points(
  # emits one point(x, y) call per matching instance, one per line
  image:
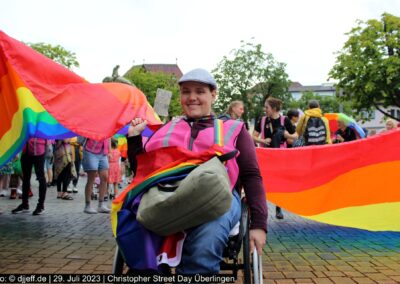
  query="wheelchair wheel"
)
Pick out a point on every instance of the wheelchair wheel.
point(252, 266)
point(246, 244)
point(118, 265)
point(257, 268)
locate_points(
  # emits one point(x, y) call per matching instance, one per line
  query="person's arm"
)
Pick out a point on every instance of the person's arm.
point(250, 177)
point(338, 137)
point(134, 139)
point(259, 140)
point(290, 131)
point(256, 135)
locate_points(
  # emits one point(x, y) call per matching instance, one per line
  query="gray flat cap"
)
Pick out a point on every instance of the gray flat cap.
point(198, 75)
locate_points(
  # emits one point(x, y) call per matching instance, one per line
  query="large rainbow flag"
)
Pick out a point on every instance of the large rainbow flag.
point(352, 184)
point(40, 98)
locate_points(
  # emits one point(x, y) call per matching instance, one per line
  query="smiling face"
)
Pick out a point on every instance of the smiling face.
point(237, 111)
point(269, 110)
point(196, 99)
point(390, 125)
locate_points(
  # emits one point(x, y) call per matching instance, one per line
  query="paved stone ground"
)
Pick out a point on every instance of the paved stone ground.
point(65, 240)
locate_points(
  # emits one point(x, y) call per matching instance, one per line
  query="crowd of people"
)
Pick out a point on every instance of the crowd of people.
point(58, 163)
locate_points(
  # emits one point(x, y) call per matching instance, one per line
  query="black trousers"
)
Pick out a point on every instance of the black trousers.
point(27, 161)
point(64, 179)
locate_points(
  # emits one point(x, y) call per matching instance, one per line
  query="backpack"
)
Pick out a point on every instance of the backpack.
point(278, 136)
point(315, 132)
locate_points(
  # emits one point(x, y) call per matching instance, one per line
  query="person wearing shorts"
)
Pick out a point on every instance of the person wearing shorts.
point(95, 160)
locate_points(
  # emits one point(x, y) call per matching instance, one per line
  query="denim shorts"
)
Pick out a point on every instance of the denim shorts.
point(48, 163)
point(94, 162)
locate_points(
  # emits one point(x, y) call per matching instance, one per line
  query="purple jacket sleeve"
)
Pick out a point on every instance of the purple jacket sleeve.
point(249, 174)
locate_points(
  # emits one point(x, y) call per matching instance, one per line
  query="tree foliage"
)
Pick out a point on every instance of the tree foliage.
point(250, 75)
point(368, 66)
point(149, 82)
point(328, 104)
point(57, 53)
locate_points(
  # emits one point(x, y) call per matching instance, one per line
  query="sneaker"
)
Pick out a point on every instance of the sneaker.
point(38, 211)
point(4, 193)
point(75, 190)
point(279, 214)
point(103, 209)
point(19, 191)
point(20, 209)
point(89, 210)
point(69, 189)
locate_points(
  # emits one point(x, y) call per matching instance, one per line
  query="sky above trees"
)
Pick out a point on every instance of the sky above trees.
point(303, 34)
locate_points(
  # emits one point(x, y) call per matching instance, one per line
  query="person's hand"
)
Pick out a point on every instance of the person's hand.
point(339, 138)
point(267, 141)
point(136, 127)
point(258, 237)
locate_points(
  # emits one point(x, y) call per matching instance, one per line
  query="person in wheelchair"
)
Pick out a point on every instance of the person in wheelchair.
point(204, 244)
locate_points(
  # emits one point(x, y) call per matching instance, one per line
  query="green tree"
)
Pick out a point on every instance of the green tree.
point(57, 53)
point(328, 103)
point(250, 75)
point(368, 66)
point(149, 82)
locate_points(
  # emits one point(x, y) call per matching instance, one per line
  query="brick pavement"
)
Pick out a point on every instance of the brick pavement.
point(65, 240)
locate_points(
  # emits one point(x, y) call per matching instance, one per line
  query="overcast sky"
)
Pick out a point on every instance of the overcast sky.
point(303, 34)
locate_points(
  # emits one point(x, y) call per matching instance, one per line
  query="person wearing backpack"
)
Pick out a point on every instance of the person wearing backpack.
point(313, 126)
point(272, 131)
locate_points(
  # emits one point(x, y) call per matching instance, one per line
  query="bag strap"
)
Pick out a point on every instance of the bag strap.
point(283, 120)
point(263, 121)
point(227, 156)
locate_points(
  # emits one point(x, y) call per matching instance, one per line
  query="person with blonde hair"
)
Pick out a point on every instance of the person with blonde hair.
point(390, 124)
point(235, 111)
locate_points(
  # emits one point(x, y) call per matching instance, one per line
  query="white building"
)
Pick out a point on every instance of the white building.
point(377, 121)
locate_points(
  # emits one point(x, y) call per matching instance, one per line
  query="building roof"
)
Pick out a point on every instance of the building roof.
point(295, 85)
point(315, 88)
point(164, 68)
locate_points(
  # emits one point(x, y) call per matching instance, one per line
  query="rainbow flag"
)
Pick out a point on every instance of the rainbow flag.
point(41, 98)
point(333, 119)
point(352, 184)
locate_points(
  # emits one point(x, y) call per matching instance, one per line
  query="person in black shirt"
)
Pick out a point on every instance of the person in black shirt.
point(274, 130)
point(294, 116)
point(344, 133)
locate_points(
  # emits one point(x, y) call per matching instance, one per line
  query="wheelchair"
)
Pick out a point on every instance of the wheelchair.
point(251, 266)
